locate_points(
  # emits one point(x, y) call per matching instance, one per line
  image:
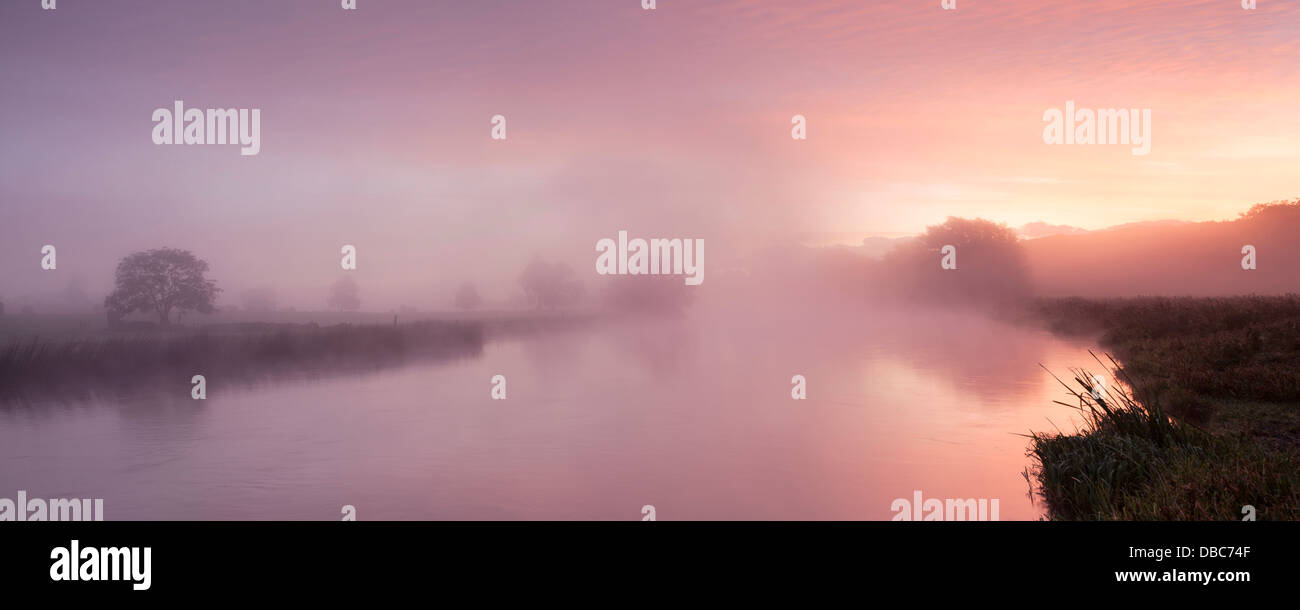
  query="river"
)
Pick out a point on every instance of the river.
point(690, 416)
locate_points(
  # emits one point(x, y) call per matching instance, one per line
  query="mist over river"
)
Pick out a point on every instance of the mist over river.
point(692, 415)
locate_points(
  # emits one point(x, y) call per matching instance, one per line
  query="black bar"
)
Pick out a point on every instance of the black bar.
point(313, 558)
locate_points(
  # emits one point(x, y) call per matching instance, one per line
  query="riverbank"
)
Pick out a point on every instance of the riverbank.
point(1205, 422)
point(37, 368)
point(69, 357)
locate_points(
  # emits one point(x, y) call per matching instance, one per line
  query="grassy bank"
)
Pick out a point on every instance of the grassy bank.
point(1209, 421)
point(38, 368)
point(76, 356)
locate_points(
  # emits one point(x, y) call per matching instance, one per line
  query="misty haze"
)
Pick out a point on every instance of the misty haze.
point(402, 304)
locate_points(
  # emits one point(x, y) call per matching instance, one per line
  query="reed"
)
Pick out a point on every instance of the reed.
point(1131, 460)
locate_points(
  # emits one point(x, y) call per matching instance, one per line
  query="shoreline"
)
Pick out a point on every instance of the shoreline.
point(79, 360)
point(1211, 429)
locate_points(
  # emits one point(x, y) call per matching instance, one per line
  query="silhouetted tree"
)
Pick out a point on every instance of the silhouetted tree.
point(467, 297)
point(991, 264)
point(1272, 210)
point(648, 293)
point(344, 295)
point(74, 295)
point(159, 281)
point(261, 299)
point(550, 285)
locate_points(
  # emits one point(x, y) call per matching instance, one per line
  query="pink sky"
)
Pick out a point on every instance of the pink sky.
point(673, 122)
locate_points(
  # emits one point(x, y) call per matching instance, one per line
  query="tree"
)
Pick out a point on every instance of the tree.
point(467, 297)
point(159, 281)
point(550, 285)
point(991, 263)
point(74, 295)
point(344, 295)
point(259, 300)
point(1274, 209)
point(648, 293)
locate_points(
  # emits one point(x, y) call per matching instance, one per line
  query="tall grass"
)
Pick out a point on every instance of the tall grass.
point(1132, 461)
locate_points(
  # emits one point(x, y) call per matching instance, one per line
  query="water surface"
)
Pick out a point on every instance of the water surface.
point(692, 415)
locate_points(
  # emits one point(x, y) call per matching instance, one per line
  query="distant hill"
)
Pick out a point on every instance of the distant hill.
point(1172, 257)
point(1035, 230)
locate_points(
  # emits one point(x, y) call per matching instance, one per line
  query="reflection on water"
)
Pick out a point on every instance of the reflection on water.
point(693, 416)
